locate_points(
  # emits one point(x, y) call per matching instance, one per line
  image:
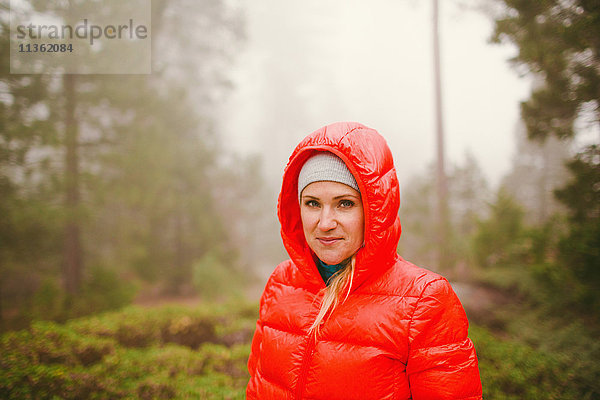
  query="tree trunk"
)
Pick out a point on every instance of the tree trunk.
point(72, 268)
point(543, 185)
point(1, 308)
point(443, 256)
point(179, 261)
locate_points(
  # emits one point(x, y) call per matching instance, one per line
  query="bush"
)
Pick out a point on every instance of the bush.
point(498, 238)
point(559, 366)
point(515, 371)
point(215, 280)
point(51, 360)
point(149, 354)
point(162, 353)
point(103, 290)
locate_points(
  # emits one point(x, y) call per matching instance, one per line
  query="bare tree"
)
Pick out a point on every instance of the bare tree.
point(443, 258)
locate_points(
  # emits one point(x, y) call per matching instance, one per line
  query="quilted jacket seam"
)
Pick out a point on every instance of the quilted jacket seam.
point(390, 167)
point(382, 294)
point(282, 283)
point(412, 318)
point(346, 134)
point(265, 377)
point(283, 330)
point(353, 343)
point(379, 294)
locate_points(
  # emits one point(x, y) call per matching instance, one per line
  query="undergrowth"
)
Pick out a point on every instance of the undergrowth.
point(137, 353)
point(201, 353)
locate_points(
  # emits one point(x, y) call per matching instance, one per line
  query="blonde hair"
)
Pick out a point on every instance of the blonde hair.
point(331, 298)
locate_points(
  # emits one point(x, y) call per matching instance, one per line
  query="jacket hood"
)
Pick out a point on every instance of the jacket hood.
point(368, 157)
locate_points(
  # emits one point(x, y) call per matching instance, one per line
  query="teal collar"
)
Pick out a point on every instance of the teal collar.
point(327, 271)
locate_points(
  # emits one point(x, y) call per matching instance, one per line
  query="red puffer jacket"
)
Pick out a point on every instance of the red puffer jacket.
point(400, 334)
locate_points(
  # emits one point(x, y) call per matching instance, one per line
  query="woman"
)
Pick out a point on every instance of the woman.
point(346, 317)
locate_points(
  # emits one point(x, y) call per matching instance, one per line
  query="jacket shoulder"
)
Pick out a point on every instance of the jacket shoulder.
point(286, 275)
point(406, 279)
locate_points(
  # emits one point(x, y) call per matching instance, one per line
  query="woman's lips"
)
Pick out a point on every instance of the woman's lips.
point(328, 241)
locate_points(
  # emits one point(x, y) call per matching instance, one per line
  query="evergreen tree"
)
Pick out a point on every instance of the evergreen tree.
point(558, 42)
point(499, 237)
point(30, 225)
point(537, 169)
point(580, 248)
point(468, 196)
point(126, 163)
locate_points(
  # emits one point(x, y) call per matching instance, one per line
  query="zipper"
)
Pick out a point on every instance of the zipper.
point(308, 353)
point(310, 348)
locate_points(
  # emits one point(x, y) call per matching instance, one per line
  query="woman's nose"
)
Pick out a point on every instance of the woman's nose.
point(327, 219)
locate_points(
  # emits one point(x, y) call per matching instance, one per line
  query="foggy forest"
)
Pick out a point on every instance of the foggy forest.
point(138, 221)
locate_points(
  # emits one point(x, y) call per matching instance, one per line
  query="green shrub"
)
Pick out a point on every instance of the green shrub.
point(499, 237)
point(51, 360)
point(515, 371)
point(48, 301)
point(510, 371)
point(103, 290)
point(100, 357)
point(137, 327)
point(160, 353)
point(215, 279)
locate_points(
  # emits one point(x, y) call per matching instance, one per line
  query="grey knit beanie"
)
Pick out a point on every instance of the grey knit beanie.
point(325, 166)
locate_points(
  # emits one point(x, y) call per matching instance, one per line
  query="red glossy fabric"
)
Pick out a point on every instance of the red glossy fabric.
point(400, 334)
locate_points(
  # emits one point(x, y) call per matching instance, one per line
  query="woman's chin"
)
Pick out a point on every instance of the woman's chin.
point(330, 259)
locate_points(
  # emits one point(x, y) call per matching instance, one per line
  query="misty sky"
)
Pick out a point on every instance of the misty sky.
point(306, 64)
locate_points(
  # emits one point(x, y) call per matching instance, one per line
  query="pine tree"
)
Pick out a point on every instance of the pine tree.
point(557, 42)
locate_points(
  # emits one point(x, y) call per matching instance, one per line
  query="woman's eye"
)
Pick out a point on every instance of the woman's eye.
point(346, 203)
point(311, 203)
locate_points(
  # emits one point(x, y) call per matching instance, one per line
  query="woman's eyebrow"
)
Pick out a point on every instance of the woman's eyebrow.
point(345, 195)
point(341, 196)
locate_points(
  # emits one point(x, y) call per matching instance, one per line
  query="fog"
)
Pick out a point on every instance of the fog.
point(137, 205)
point(308, 64)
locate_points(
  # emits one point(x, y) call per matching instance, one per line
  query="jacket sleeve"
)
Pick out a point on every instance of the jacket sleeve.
point(255, 349)
point(256, 346)
point(442, 363)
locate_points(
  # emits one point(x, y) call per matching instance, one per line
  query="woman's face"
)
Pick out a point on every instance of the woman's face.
point(333, 220)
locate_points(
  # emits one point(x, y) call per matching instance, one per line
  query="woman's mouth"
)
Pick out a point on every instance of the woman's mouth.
point(327, 241)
